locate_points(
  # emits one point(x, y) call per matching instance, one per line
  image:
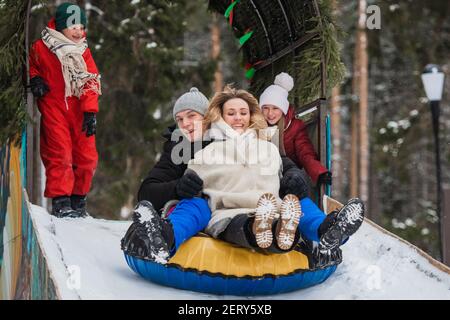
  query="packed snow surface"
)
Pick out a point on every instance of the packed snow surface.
point(86, 261)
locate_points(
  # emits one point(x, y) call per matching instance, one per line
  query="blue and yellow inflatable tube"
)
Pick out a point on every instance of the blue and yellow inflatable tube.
point(208, 265)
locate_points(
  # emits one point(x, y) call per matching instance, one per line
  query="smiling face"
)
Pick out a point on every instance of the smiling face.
point(272, 114)
point(74, 33)
point(190, 123)
point(236, 113)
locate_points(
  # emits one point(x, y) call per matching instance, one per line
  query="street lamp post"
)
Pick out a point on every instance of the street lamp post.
point(433, 81)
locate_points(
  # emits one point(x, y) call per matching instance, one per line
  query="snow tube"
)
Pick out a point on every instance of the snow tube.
point(213, 266)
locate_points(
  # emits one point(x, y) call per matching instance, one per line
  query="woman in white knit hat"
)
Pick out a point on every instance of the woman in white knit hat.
point(240, 170)
point(315, 226)
point(297, 145)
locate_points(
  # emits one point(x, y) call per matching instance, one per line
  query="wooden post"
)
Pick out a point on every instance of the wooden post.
point(322, 143)
point(37, 171)
point(30, 109)
point(336, 143)
point(445, 226)
point(215, 53)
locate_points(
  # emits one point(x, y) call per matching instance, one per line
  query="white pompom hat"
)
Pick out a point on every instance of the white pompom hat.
point(277, 94)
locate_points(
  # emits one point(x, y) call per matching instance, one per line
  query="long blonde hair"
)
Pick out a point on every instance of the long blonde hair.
point(215, 109)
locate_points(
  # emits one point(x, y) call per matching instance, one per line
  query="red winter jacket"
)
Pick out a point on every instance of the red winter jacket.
point(299, 148)
point(45, 64)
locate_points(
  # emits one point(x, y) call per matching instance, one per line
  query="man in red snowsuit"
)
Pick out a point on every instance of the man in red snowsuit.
point(298, 146)
point(66, 82)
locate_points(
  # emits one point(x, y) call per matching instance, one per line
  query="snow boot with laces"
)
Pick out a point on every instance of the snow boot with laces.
point(149, 237)
point(266, 212)
point(287, 225)
point(347, 222)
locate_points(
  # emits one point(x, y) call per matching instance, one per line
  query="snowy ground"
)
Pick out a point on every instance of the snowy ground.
point(86, 262)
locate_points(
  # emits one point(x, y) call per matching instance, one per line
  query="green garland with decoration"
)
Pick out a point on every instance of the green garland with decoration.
point(305, 65)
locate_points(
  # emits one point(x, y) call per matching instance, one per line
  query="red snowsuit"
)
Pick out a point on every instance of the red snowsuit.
point(69, 157)
point(299, 148)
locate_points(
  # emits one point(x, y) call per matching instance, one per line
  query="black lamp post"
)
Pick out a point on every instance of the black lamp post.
point(433, 81)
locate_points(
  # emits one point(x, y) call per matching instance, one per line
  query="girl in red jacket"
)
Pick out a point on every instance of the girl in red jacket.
point(298, 147)
point(66, 83)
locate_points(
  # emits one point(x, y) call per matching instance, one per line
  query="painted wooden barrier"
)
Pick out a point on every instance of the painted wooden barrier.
point(23, 269)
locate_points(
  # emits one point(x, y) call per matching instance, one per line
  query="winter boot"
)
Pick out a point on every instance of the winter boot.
point(329, 221)
point(149, 237)
point(348, 220)
point(61, 208)
point(324, 259)
point(78, 203)
point(266, 212)
point(290, 214)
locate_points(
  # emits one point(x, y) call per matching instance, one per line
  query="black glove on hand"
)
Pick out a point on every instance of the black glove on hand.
point(293, 183)
point(38, 87)
point(189, 185)
point(89, 124)
point(325, 178)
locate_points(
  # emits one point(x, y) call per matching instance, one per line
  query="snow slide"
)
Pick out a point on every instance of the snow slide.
point(85, 262)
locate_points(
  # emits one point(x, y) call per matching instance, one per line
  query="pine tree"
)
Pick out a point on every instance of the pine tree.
point(13, 113)
point(139, 48)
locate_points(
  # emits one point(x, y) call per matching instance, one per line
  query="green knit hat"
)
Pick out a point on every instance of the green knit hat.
point(68, 14)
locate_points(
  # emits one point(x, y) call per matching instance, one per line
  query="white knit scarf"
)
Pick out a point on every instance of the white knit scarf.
point(76, 77)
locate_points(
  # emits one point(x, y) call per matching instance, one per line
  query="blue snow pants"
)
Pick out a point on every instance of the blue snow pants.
point(311, 220)
point(189, 217)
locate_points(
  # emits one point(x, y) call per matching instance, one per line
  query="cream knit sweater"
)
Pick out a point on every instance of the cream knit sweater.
point(236, 170)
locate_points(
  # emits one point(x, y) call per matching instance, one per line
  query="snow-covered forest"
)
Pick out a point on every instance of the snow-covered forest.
point(149, 52)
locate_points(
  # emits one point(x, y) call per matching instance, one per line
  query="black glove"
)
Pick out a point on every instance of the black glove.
point(38, 87)
point(325, 178)
point(294, 183)
point(189, 185)
point(89, 124)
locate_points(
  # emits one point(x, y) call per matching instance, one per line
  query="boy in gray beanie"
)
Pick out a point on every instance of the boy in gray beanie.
point(193, 100)
point(167, 179)
point(188, 113)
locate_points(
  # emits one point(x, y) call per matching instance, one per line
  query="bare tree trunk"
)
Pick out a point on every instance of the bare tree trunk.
point(215, 52)
point(363, 103)
point(87, 5)
point(336, 137)
point(375, 205)
point(354, 188)
point(336, 166)
point(127, 207)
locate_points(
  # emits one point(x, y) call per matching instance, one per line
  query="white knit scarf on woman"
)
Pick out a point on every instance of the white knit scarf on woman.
point(76, 77)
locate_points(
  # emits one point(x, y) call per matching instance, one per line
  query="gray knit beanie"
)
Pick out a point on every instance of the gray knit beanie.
point(192, 100)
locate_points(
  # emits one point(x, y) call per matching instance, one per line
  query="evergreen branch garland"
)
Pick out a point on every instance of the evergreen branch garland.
point(12, 70)
point(304, 65)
